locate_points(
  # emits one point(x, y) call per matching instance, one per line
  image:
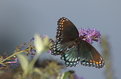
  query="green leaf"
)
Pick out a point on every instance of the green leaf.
point(24, 62)
point(37, 70)
point(38, 44)
point(65, 75)
point(46, 41)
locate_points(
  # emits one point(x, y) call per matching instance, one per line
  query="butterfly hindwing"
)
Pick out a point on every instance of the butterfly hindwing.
point(71, 56)
point(89, 55)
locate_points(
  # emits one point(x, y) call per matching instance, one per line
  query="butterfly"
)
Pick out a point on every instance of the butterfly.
point(72, 48)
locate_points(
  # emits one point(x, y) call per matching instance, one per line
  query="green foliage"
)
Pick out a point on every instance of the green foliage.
point(48, 69)
point(28, 67)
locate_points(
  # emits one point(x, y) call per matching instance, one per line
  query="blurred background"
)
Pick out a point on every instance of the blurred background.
point(20, 20)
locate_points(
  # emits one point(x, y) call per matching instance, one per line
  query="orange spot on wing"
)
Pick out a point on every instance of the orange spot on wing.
point(97, 62)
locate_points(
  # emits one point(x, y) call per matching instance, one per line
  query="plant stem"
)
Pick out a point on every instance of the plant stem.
point(14, 54)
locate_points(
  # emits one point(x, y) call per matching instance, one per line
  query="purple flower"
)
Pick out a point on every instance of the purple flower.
point(77, 77)
point(89, 35)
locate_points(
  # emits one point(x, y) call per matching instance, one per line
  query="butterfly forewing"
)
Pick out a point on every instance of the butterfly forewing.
point(66, 32)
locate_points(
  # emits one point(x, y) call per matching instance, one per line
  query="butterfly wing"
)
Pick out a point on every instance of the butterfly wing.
point(66, 32)
point(85, 53)
point(89, 55)
point(71, 56)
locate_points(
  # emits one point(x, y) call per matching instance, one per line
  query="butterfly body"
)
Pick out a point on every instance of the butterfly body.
point(72, 48)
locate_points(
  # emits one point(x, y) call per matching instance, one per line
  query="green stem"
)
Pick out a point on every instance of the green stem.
point(1, 62)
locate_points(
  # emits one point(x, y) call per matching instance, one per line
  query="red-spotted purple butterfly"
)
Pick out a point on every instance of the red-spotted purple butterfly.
point(72, 48)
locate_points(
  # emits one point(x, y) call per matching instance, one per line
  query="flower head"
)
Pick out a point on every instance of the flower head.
point(89, 35)
point(77, 77)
